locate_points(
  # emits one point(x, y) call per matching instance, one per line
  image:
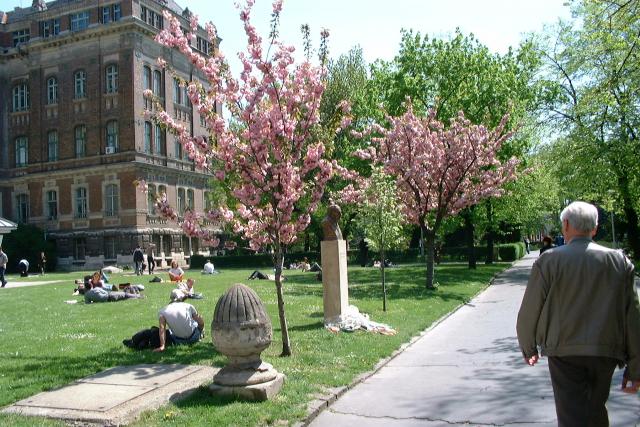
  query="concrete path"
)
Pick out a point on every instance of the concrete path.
point(467, 370)
point(18, 284)
point(116, 396)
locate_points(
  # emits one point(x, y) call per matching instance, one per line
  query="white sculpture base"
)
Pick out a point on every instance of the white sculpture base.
point(335, 283)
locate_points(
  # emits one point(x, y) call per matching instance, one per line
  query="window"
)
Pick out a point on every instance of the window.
point(152, 18)
point(80, 134)
point(146, 77)
point(80, 84)
point(52, 90)
point(208, 205)
point(21, 151)
point(203, 45)
point(190, 198)
point(50, 28)
point(111, 200)
point(79, 248)
point(147, 137)
point(151, 199)
point(112, 136)
point(111, 13)
point(181, 201)
point(22, 208)
point(81, 202)
point(178, 148)
point(111, 76)
point(20, 36)
point(79, 21)
point(21, 97)
point(110, 247)
point(159, 140)
point(177, 92)
point(52, 145)
point(52, 204)
point(157, 83)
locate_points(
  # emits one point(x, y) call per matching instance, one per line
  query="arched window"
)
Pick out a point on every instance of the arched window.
point(159, 140)
point(112, 136)
point(52, 90)
point(80, 134)
point(22, 151)
point(190, 200)
point(111, 78)
point(22, 208)
point(151, 199)
point(157, 83)
point(146, 77)
point(52, 204)
point(21, 97)
point(147, 137)
point(181, 201)
point(52, 145)
point(111, 200)
point(80, 84)
point(81, 202)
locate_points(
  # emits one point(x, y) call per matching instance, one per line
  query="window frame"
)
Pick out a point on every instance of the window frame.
point(52, 204)
point(79, 21)
point(22, 208)
point(111, 200)
point(80, 140)
point(53, 146)
point(20, 95)
point(52, 90)
point(111, 78)
point(111, 132)
point(80, 84)
point(22, 151)
point(80, 201)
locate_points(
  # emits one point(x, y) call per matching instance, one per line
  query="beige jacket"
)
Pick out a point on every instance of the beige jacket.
point(581, 301)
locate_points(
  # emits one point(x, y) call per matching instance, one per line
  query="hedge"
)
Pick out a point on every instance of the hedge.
point(511, 251)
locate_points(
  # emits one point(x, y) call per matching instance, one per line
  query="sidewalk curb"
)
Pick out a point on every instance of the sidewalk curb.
point(324, 401)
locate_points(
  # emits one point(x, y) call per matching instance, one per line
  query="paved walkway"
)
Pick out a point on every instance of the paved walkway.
point(469, 371)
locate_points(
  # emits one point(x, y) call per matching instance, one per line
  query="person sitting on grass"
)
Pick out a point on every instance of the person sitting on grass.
point(188, 290)
point(182, 320)
point(209, 268)
point(176, 274)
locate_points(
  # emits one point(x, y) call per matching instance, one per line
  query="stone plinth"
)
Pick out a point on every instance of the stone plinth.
point(335, 283)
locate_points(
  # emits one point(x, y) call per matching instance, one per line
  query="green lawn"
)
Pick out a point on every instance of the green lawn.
point(48, 343)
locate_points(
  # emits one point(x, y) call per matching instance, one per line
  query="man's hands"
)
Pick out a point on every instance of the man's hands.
point(159, 349)
point(532, 360)
point(633, 388)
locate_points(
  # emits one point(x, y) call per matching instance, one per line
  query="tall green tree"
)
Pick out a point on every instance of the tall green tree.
point(595, 63)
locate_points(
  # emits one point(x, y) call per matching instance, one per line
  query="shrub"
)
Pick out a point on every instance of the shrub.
point(511, 251)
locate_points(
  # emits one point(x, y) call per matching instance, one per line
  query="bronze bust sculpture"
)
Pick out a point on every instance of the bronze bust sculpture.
point(330, 227)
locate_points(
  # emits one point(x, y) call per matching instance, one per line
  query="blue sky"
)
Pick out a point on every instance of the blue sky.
point(375, 24)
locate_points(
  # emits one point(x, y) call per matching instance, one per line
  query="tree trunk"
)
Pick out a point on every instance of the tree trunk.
point(631, 216)
point(384, 286)
point(470, 231)
point(490, 235)
point(278, 260)
point(430, 237)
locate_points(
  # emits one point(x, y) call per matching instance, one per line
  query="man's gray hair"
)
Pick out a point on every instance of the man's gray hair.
point(581, 215)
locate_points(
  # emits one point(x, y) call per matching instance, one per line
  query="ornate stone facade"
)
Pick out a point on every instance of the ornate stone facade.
point(73, 137)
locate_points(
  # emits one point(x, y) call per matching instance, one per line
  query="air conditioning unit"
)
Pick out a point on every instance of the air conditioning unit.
point(110, 150)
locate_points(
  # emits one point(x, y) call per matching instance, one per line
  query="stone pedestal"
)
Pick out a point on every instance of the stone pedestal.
point(335, 283)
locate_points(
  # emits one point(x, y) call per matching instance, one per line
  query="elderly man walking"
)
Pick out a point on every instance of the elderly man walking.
point(581, 308)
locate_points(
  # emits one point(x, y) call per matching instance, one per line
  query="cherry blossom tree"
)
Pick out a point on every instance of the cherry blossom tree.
point(269, 154)
point(438, 170)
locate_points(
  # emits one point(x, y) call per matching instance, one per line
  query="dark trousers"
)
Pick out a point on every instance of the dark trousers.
point(2, 279)
point(581, 388)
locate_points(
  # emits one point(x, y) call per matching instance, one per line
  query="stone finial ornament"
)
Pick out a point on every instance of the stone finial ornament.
point(241, 330)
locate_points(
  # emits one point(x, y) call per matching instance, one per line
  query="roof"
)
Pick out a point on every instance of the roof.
point(7, 226)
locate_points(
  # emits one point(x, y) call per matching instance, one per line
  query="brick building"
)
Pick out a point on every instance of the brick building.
point(73, 137)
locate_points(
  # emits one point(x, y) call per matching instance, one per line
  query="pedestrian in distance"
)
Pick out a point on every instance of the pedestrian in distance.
point(138, 260)
point(581, 309)
point(4, 260)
